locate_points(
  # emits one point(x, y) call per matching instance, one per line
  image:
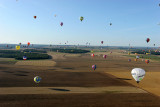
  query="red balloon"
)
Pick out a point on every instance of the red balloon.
point(147, 40)
point(35, 17)
point(28, 43)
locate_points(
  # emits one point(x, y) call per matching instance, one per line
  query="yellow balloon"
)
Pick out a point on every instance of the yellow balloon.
point(17, 47)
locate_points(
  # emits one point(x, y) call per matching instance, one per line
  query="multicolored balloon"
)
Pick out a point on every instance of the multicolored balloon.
point(24, 58)
point(81, 18)
point(92, 55)
point(129, 60)
point(147, 61)
point(37, 79)
point(94, 67)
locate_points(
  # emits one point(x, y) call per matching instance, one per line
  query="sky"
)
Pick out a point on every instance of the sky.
point(132, 22)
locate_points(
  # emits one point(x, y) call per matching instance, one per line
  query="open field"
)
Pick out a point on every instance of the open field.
point(73, 82)
point(36, 63)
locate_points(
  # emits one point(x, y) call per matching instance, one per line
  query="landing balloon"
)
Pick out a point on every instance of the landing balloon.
point(138, 74)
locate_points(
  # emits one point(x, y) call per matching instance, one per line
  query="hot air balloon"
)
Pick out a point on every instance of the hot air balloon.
point(129, 60)
point(129, 53)
point(147, 61)
point(81, 18)
point(35, 17)
point(37, 79)
point(94, 67)
point(147, 40)
point(55, 15)
point(61, 23)
point(110, 24)
point(24, 58)
point(105, 56)
point(92, 55)
point(17, 47)
point(101, 42)
point(28, 43)
point(137, 57)
point(138, 74)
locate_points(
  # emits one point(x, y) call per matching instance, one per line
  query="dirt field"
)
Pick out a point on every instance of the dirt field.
point(36, 63)
point(73, 83)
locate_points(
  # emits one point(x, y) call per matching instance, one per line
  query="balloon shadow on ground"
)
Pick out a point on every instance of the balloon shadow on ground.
point(20, 75)
point(57, 89)
point(124, 79)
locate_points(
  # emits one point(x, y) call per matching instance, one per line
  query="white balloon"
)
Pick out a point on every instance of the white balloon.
point(137, 57)
point(138, 74)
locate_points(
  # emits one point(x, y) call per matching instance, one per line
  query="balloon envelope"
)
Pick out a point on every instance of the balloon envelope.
point(37, 79)
point(17, 47)
point(81, 18)
point(101, 42)
point(137, 57)
point(104, 56)
point(147, 61)
point(61, 23)
point(24, 58)
point(138, 74)
point(28, 43)
point(129, 60)
point(92, 55)
point(147, 40)
point(35, 17)
point(94, 67)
